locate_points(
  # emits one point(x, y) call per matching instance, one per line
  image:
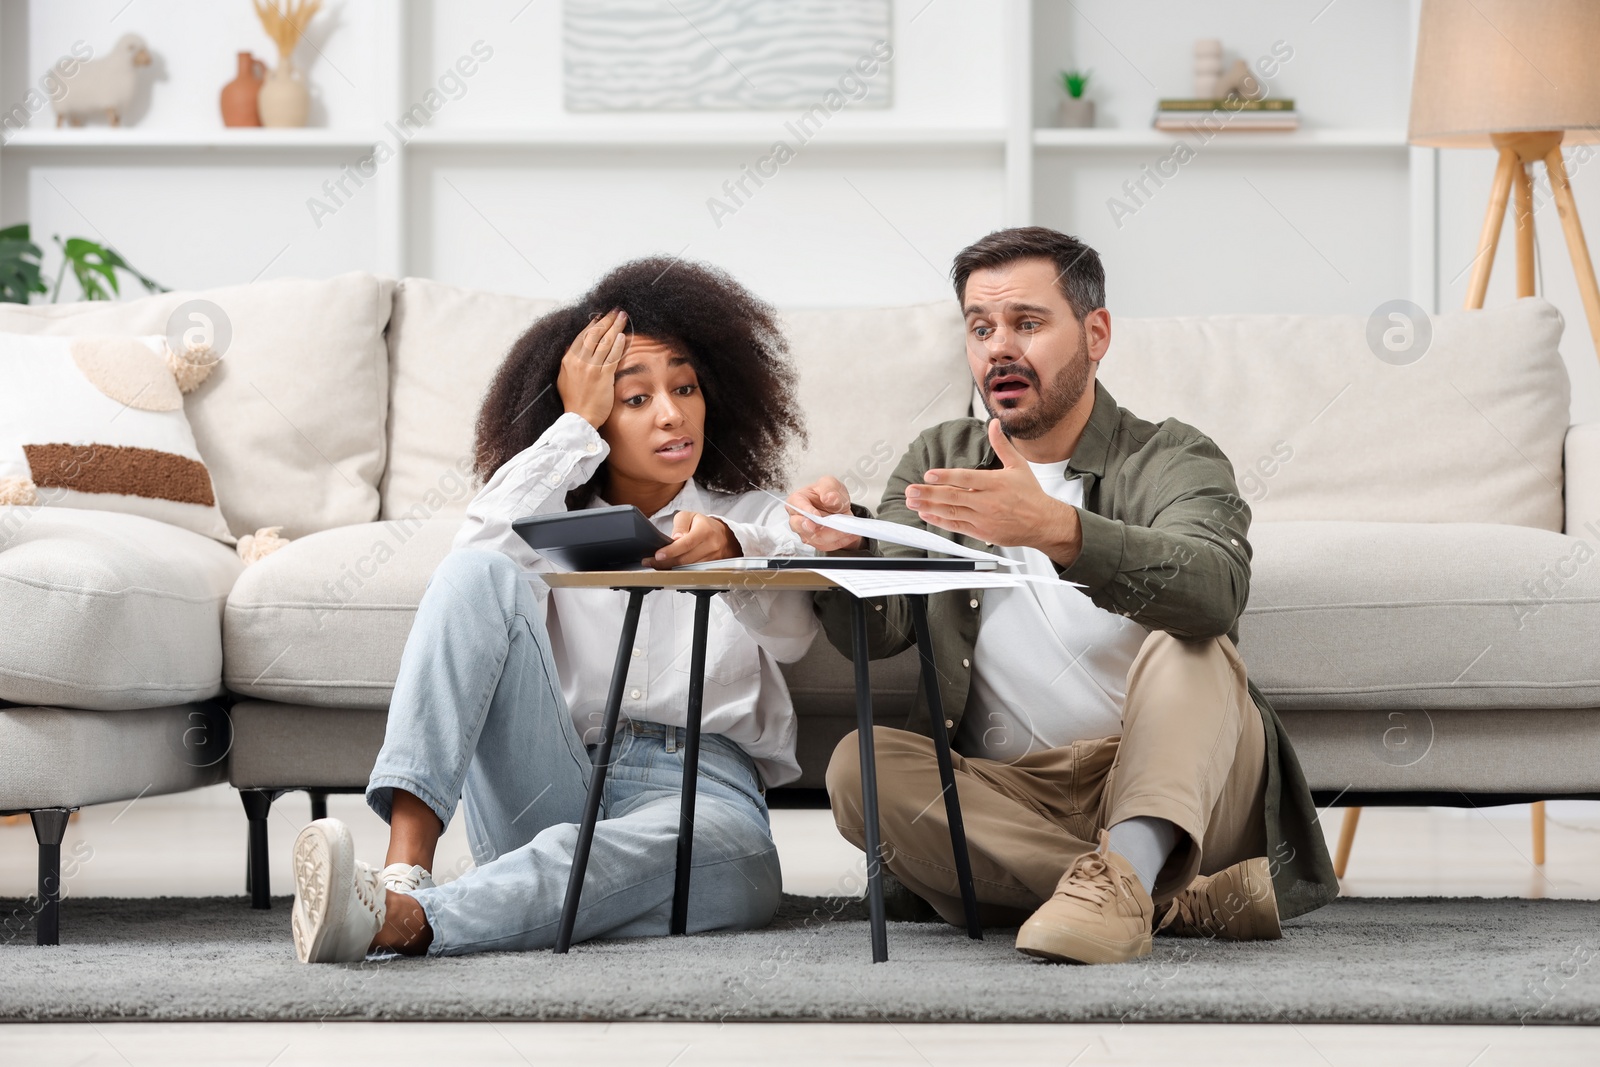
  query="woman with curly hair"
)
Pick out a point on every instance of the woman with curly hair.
point(667, 386)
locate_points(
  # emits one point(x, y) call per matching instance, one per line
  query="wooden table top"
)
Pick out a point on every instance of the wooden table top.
point(707, 579)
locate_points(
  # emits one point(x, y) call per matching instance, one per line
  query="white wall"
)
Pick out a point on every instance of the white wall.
point(506, 191)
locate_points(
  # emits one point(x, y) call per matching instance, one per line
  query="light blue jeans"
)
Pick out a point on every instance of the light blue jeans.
point(477, 709)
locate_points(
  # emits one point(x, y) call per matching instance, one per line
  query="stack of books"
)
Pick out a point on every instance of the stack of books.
point(1230, 114)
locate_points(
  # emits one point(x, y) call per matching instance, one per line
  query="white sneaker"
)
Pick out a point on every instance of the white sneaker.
point(405, 878)
point(338, 900)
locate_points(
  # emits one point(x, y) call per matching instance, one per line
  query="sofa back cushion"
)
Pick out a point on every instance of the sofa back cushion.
point(291, 420)
point(445, 343)
point(1319, 427)
point(870, 380)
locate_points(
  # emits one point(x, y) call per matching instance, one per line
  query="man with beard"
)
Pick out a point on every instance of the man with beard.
point(1118, 773)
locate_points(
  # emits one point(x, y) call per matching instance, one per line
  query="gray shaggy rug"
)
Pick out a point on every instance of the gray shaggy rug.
point(1423, 959)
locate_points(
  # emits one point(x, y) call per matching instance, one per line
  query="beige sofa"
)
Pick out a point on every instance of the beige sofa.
point(1424, 611)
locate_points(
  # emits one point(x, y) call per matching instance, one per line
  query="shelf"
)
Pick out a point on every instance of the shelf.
point(1228, 139)
point(134, 137)
point(676, 134)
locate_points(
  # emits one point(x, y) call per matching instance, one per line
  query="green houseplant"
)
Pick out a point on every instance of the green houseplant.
point(1075, 110)
point(94, 265)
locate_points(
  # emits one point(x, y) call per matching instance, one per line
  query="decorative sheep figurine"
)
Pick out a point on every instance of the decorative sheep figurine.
point(104, 86)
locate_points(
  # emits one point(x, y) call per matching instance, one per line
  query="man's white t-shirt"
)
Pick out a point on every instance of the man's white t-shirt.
point(1049, 667)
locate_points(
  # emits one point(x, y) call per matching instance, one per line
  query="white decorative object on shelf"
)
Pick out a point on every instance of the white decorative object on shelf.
point(1207, 67)
point(718, 55)
point(103, 87)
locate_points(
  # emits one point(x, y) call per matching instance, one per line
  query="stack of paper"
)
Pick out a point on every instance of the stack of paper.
point(865, 583)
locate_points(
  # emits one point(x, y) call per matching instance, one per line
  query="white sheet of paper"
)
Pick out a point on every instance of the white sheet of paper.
point(886, 583)
point(897, 534)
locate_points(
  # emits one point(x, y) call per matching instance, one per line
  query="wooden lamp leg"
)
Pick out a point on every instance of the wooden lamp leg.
point(1538, 833)
point(1489, 240)
point(1523, 183)
point(1347, 837)
point(1582, 265)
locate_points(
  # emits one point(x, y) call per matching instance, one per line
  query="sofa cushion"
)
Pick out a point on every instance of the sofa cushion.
point(323, 620)
point(445, 343)
point(291, 421)
point(871, 379)
point(1318, 427)
point(1366, 615)
point(108, 611)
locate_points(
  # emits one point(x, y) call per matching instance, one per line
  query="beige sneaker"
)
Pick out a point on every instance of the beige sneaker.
point(338, 900)
point(1236, 904)
point(1100, 913)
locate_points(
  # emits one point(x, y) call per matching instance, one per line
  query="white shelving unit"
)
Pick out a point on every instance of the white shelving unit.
point(1036, 173)
point(1048, 138)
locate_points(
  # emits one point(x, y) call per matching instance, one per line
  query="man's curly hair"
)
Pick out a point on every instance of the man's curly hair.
point(731, 339)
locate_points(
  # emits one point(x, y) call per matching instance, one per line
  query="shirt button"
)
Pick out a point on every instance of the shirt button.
point(637, 694)
point(966, 663)
point(972, 603)
point(591, 448)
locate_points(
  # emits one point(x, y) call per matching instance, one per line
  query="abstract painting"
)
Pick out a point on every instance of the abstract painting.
point(719, 55)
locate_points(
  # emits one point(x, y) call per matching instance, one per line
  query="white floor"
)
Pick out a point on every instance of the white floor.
point(194, 844)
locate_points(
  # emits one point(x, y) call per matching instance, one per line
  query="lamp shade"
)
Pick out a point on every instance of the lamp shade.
point(1505, 66)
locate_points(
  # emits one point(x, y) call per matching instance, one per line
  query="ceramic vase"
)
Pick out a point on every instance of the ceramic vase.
point(284, 99)
point(239, 96)
point(1075, 112)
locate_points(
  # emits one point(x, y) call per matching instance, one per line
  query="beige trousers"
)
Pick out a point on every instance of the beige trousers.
point(1192, 751)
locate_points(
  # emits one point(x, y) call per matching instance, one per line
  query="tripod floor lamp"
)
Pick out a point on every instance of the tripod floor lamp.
point(1522, 77)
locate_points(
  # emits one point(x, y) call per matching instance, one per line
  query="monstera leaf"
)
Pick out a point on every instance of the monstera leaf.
point(19, 266)
point(94, 265)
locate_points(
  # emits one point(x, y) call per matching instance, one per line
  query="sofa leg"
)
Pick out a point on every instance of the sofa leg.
point(1347, 837)
point(319, 805)
point(258, 869)
point(1538, 832)
point(49, 827)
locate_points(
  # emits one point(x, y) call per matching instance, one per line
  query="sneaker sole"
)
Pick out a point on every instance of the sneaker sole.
point(1069, 946)
point(324, 857)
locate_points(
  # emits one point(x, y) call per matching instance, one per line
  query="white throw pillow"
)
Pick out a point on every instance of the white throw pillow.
point(291, 419)
point(97, 422)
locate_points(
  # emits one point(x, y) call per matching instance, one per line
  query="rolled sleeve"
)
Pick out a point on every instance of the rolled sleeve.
point(533, 482)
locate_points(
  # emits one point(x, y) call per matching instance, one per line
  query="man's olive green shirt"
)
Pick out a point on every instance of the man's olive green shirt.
point(1163, 544)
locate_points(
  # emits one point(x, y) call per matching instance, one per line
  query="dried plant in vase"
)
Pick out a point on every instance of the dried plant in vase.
point(285, 100)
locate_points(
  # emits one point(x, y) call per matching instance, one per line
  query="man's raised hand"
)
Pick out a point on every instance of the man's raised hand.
point(825, 496)
point(1006, 507)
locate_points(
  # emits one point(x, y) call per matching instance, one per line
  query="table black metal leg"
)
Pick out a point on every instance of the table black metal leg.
point(597, 778)
point(947, 773)
point(869, 779)
point(691, 760)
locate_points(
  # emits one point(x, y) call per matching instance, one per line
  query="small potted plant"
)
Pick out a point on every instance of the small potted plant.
point(1075, 110)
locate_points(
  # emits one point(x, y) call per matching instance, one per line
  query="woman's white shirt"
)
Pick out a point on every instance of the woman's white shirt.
point(745, 699)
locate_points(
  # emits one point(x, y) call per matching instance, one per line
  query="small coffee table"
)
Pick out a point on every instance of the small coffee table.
point(703, 585)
